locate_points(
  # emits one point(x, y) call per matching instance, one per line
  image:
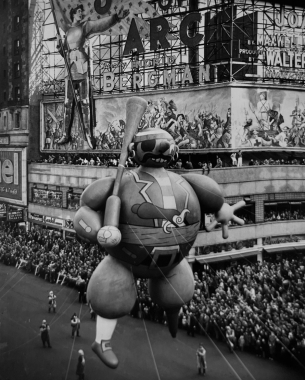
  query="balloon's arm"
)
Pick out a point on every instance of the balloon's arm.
point(96, 194)
point(208, 192)
point(212, 202)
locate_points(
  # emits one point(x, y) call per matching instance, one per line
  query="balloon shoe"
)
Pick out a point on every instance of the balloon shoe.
point(172, 321)
point(105, 353)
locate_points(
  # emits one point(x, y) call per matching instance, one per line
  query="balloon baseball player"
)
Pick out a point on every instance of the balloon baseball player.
point(147, 219)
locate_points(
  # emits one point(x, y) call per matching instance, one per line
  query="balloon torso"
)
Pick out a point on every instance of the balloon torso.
point(159, 220)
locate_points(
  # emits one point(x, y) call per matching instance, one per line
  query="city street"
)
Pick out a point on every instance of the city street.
point(145, 350)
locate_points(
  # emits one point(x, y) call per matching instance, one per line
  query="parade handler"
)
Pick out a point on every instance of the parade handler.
point(147, 219)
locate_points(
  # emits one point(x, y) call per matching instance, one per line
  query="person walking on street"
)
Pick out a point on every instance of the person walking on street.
point(77, 326)
point(201, 360)
point(80, 369)
point(52, 302)
point(74, 324)
point(44, 334)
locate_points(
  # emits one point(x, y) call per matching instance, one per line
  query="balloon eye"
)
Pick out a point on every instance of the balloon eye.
point(148, 145)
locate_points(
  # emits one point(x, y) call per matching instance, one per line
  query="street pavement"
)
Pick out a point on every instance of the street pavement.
point(145, 350)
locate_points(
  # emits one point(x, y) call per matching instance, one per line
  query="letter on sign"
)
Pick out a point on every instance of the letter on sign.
point(158, 30)
point(190, 41)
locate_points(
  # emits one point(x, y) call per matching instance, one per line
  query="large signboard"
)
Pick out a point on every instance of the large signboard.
point(13, 175)
point(219, 118)
point(268, 118)
point(197, 119)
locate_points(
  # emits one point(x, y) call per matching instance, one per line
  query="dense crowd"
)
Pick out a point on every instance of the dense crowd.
point(256, 307)
point(283, 215)
point(112, 159)
point(48, 255)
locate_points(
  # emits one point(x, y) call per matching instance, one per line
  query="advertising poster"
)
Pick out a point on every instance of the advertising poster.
point(13, 175)
point(268, 118)
point(199, 119)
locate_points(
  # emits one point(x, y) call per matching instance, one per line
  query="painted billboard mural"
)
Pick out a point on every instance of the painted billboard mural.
point(268, 118)
point(196, 120)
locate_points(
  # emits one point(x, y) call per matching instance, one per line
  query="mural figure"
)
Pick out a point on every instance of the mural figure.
point(152, 217)
point(263, 108)
point(78, 60)
point(280, 122)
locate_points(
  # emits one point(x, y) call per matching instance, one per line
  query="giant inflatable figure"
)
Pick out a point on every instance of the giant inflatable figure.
point(147, 219)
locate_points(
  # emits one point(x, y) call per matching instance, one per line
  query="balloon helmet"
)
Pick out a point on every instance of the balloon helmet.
point(153, 148)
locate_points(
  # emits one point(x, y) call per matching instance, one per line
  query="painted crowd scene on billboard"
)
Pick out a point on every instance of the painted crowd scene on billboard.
point(195, 122)
point(269, 118)
point(104, 53)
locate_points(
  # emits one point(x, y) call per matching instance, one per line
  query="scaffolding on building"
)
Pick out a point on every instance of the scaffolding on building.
point(240, 40)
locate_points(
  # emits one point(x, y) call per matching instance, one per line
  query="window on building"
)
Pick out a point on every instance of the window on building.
point(4, 122)
point(4, 95)
point(4, 27)
point(247, 213)
point(284, 210)
point(17, 94)
point(16, 47)
point(17, 70)
point(17, 120)
point(16, 22)
point(4, 50)
point(4, 73)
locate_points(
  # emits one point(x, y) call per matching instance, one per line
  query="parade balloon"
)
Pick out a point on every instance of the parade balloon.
point(147, 219)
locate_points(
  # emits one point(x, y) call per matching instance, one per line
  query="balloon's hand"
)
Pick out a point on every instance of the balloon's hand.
point(122, 13)
point(109, 236)
point(224, 216)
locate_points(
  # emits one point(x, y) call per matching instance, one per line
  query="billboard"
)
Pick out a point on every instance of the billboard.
point(227, 117)
point(267, 117)
point(198, 119)
point(47, 197)
point(15, 216)
point(13, 175)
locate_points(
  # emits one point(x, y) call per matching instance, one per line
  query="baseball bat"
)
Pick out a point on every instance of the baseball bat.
point(135, 108)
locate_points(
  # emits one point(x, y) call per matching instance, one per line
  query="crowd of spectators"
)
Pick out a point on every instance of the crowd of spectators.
point(48, 255)
point(112, 159)
point(283, 215)
point(271, 161)
point(257, 307)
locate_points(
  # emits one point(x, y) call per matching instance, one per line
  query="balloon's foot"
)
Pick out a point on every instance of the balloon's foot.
point(172, 320)
point(105, 353)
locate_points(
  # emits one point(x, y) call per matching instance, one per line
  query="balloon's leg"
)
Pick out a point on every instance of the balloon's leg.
point(172, 320)
point(102, 346)
point(171, 291)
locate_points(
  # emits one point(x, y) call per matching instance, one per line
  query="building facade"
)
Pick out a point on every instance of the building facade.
point(222, 76)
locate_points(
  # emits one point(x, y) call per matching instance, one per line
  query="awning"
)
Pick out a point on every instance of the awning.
point(231, 255)
point(289, 247)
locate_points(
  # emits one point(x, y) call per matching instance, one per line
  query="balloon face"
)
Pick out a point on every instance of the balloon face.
point(154, 148)
point(109, 236)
